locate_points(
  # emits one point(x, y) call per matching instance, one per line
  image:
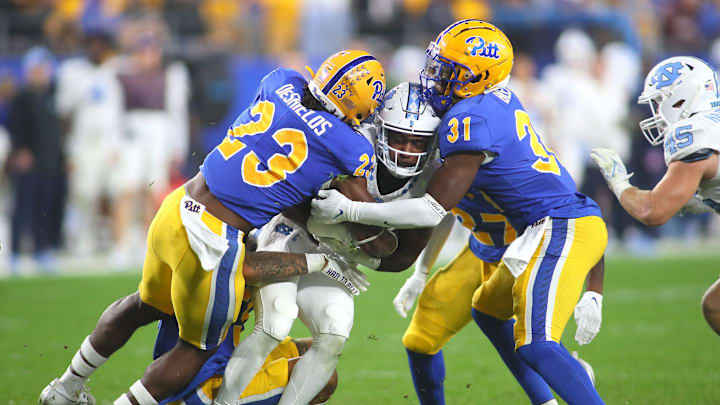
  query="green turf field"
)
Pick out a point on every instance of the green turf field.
point(653, 348)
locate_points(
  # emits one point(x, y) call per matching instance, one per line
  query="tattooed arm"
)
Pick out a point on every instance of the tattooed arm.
point(269, 266)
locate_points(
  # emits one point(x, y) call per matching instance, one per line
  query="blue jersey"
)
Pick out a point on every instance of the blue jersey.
point(491, 232)
point(521, 177)
point(278, 153)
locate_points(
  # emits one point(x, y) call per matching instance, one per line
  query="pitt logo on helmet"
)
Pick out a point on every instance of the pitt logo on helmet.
point(478, 47)
point(470, 57)
point(350, 85)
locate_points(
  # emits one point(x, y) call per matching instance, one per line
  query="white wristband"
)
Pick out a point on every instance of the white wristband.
point(315, 262)
point(619, 187)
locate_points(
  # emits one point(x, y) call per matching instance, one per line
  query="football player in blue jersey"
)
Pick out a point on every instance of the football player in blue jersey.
point(491, 151)
point(683, 95)
point(280, 151)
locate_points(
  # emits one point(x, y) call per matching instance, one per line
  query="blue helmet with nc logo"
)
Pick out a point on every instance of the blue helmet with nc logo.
point(675, 89)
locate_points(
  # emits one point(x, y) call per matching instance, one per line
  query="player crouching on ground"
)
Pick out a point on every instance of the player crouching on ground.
point(295, 137)
point(684, 99)
point(267, 385)
point(405, 144)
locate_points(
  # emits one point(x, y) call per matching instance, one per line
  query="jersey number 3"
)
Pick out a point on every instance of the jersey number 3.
point(546, 162)
point(279, 165)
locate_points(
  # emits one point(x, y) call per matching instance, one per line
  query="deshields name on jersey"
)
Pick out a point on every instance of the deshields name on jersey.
point(313, 120)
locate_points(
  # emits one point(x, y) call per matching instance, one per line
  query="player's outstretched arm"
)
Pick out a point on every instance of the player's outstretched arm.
point(447, 187)
point(654, 207)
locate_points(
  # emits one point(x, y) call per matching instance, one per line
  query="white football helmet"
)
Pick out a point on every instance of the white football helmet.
point(675, 89)
point(407, 112)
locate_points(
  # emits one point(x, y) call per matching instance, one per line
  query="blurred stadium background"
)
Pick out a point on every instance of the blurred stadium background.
point(105, 105)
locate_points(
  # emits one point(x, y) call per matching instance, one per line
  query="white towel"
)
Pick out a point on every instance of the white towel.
point(518, 254)
point(209, 246)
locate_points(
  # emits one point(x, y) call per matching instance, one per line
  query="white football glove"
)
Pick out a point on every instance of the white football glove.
point(351, 278)
point(613, 169)
point(588, 316)
point(694, 206)
point(349, 254)
point(330, 206)
point(408, 293)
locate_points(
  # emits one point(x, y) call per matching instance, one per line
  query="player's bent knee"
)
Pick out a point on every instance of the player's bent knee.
point(419, 344)
point(279, 316)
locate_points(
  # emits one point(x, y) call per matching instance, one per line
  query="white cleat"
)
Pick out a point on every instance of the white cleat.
point(56, 394)
point(588, 368)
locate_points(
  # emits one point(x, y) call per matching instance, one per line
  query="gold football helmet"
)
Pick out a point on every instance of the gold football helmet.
point(468, 58)
point(349, 84)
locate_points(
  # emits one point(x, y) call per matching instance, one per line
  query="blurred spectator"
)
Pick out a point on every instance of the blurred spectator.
point(281, 25)
point(571, 84)
point(156, 123)
point(405, 65)
point(681, 26)
point(533, 95)
point(89, 99)
point(326, 28)
point(36, 163)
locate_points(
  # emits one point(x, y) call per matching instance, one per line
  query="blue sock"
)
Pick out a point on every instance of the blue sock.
point(564, 374)
point(428, 374)
point(500, 334)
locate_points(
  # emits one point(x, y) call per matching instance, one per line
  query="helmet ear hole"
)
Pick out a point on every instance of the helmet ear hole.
point(679, 103)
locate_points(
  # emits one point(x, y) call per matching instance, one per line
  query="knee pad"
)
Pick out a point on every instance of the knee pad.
point(420, 342)
point(277, 317)
point(335, 318)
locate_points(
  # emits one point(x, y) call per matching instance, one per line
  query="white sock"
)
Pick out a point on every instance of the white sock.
point(141, 394)
point(244, 363)
point(122, 400)
point(84, 363)
point(314, 369)
point(550, 402)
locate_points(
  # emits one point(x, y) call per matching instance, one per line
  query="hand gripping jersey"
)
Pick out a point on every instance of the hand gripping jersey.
point(520, 177)
point(278, 153)
point(693, 139)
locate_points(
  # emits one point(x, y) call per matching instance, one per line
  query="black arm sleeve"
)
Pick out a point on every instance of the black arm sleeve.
point(702, 154)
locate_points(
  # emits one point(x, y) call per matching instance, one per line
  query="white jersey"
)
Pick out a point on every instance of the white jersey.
point(91, 96)
point(693, 139)
point(415, 186)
